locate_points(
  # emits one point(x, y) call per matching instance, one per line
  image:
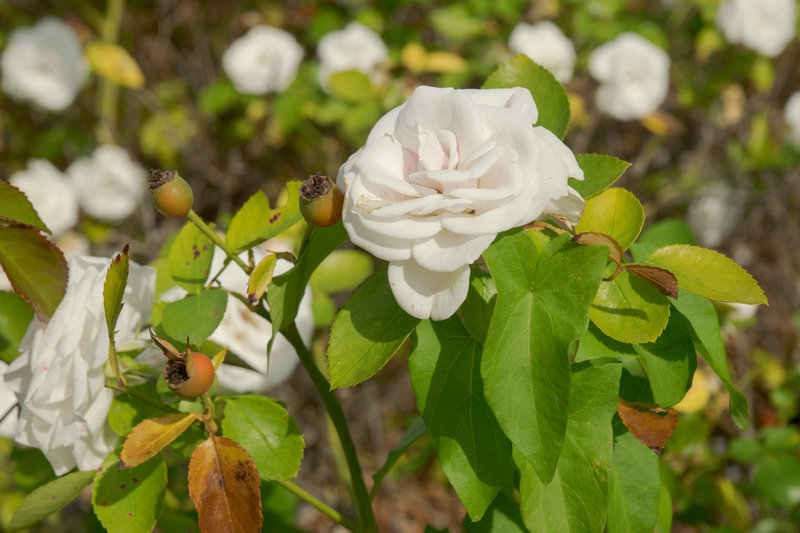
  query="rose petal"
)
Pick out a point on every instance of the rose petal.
point(447, 251)
point(425, 294)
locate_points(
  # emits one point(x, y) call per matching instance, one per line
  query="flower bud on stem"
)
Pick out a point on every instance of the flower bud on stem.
point(321, 201)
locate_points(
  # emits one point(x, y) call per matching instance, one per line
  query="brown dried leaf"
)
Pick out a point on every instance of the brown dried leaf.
point(150, 436)
point(166, 347)
point(653, 428)
point(225, 488)
point(660, 278)
point(593, 238)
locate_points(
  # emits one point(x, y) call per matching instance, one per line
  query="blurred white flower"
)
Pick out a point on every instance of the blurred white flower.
point(51, 193)
point(546, 45)
point(791, 114)
point(58, 378)
point(742, 312)
point(110, 185)
point(633, 75)
point(264, 60)
point(44, 64)
point(356, 47)
point(713, 214)
point(765, 26)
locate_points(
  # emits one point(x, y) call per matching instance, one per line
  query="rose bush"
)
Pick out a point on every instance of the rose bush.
point(356, 47)
point(547, 45)
point(58, 378)
point(264, 60)
point(441, 176)
point(765, 26)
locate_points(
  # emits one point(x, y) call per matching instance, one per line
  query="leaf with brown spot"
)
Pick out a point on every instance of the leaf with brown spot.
point(225, 487)
point(593, 238)
point(260, 278)
point(653, 428)
point(660, 278)
point(150, 436)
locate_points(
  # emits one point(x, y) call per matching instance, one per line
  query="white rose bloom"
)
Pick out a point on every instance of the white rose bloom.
point(441, 176)
point(356, 47)
point(110, 185)
point(8, 411)
point(44, 64)
point(546, 45)
point(51, 194)
point(264, 60)
point(58, 378)
point(791, 114)
point(765, 26)
point(633, 75)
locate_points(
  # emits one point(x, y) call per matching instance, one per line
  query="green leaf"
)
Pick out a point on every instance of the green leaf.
point(634, 485)
point(634, 388)
point(549, 95)
point(599, 172)
point(196, 316)
point(444, 364)
point(260, 278)
point(129, 501)
point(367, 332)
point(778, 478)
point(255, 222)
point(127, 411)
point(268, 433)
point(217, 98)
point(594, 344)
point(477, 309)
point(456, 23)
point(114, 289)
point(414, 431)
point(704, 322)
point(16, 208)
point(503, 516)
point(708, 273)
point(15, 315)
point(542, 306)
point(670, 362)
point(190, 258)
point(49, 499)
point(629, 309)
point(35, 267)
point(616, 213)
point(341, 271)
point(664, 521)
point(577, 498)
point(351, 86)
point(662, 233)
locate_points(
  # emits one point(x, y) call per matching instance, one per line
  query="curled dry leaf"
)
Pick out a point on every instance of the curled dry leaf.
point(660, 278)
point(225, 487)
point(150, 436)
point(593, 238)
point(166, 347)
point(652, 428)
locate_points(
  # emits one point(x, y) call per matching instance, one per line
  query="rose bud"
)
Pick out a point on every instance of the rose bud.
point(172, 196)
point(321, 201)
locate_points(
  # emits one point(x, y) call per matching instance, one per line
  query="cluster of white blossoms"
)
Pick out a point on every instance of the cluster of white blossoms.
point(356, 47)
point(765, 26)
point(547, 45)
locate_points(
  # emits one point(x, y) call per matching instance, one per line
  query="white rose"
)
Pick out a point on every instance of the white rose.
point(441, 176)
point(44, 64)
point(791, 114)
point(633, 75)
point(765, 26)
point(545, 44)
point(51, 194)
point(714, 214)
point(264, 60)
point(110, 185)
point(58, 378)
point(8, 410)
point(356, 47)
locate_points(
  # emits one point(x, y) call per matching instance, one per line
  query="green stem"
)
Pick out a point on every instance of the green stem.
point(127, 389)
point(202, 226)
point(208, 409)
point(108, 91)
point(324, 508)
point(334, 409)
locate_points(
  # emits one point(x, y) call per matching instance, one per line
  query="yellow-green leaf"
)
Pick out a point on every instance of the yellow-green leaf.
point(150, 436)
point(260, 278)
point(114, 63)
point(616, 213)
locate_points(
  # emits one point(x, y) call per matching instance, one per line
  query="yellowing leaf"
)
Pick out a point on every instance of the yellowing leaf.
point(446, 62)
point(697, 396)
point(115, 64)
point(150, 436)
point(260, 278)
point(414, 57)
point(225, 487)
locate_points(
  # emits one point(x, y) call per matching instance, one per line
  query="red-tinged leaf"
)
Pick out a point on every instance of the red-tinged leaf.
point(35, 267)
point(225, 487)
point(16, 208)
point(150, 436)
point(652, 428)
point(260, 278)
point(660, 278)
point(593, 238)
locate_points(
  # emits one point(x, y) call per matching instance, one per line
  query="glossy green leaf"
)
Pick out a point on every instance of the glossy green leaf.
point(114, 289)
point(664, 520)
point(670, 362)
point(35, 267)
point(594, 344)
point(129, 501)
point(367, 332)
point(577, 498)
point(634, 485)
point(662, 233)
point(255, 222)
point(704, 323)
point(549, 95)
point(268, 433)
point(127, 411)
point(15, 315)
point(190, 258)
point(16, 208)
point(503, 516)
point(341, 271)
point(477, 309)
point(414, 431)
point(444, 364)
point(351, 86)
point(708, 273)
point(196, 316)
point(49, 499)
point(778, 478)
point(629, 309)
point(616, 213)
point(542, 306)
point(635, 388)
point(599, 172)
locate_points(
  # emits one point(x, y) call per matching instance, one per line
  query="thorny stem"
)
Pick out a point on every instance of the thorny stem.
point(324, 508)
point(334, 409)
point(202, 226)
point(109, 91)
point(127, 389)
